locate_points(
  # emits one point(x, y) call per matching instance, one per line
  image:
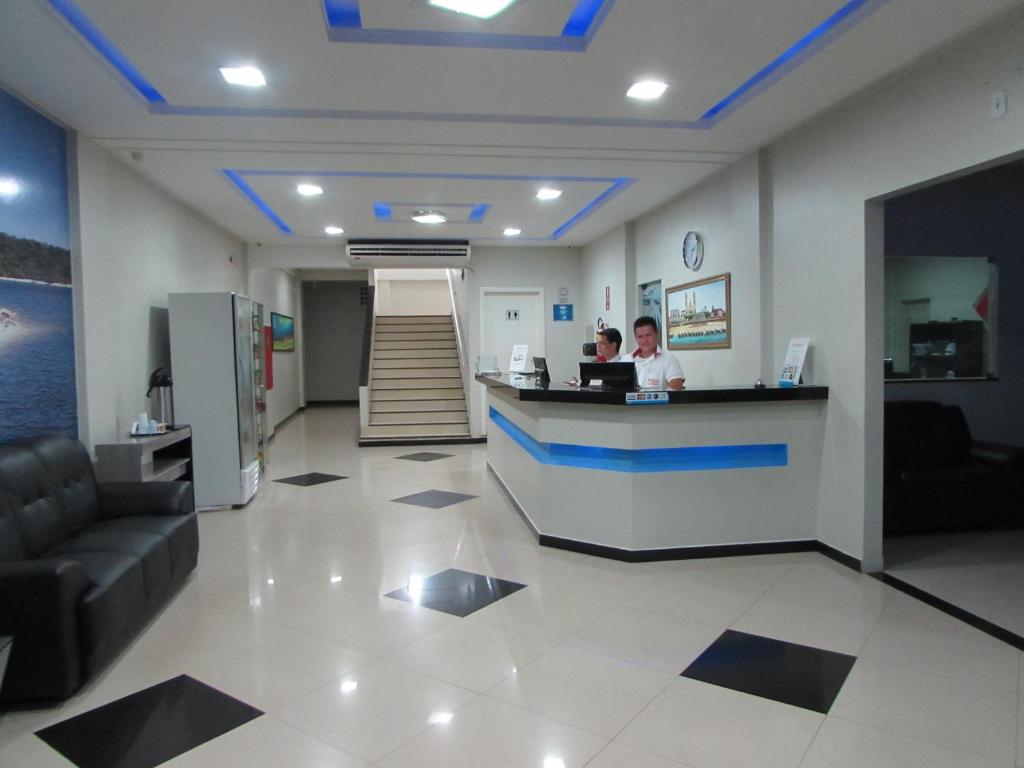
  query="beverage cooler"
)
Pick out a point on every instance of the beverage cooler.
point(217, 365)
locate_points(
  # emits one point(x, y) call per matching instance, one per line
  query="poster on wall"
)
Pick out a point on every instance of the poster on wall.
point(697, 314)
point(37, 340)
point(283, 332)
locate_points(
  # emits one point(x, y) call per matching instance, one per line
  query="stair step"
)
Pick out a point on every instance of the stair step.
point(415, 430)
point(382, 364)
point(414, 337)
point(409, 383)
point(404, 343)
point(449, 417)
point(404, 319)
point(417, 373)
point(416, 330)
point(417, 406)
point(415, 354)
point(379, 395)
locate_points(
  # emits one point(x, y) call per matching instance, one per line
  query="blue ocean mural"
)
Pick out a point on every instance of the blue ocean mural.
point(37, 344)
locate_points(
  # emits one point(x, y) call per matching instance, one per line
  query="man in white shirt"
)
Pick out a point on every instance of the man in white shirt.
point(655, 369)
point(608, 342)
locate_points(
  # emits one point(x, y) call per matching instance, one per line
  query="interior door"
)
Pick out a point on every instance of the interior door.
point(511, 317)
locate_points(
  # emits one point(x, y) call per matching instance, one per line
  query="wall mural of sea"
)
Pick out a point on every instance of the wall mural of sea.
point(37, 340)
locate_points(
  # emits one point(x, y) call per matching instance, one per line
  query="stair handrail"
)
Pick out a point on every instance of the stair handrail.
point(456, 320)
point(364, 369)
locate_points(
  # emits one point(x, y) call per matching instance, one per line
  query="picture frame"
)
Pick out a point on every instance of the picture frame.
point(282, 332)
point(698, 314)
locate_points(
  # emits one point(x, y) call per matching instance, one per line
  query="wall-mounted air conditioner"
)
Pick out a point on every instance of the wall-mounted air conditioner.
point(408, 253)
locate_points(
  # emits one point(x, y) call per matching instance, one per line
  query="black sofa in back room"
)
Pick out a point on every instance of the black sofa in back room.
point(83, 565)
point(939, 479)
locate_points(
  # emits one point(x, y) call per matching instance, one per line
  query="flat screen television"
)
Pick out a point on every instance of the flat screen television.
point(617, 376)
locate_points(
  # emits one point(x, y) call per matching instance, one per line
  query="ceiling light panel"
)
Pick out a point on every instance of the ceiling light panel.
point(247, 76)
point(548, 193)
point(429, 217)
point(647, 90)
point(480, 9)
point(309, 190)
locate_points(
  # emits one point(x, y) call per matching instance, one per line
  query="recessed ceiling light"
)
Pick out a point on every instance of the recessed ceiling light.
point(333, 230)
point(309, 190)
point(9, 187)
point(647, 90)
point(247, 76)
point(481, 9)
point(512, 232)
point(547, 193)
point(429, 217)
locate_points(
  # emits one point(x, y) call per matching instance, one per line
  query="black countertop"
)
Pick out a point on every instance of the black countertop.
point(526, 388)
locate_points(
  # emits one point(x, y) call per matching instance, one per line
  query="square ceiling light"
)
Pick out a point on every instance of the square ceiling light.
point(480, 9)
point(247, 76)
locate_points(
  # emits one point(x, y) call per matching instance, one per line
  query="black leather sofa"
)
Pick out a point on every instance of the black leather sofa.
point(83, 565)
point(938, 479)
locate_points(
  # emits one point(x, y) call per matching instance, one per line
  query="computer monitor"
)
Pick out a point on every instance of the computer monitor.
point(540, 367)
point(618, 376)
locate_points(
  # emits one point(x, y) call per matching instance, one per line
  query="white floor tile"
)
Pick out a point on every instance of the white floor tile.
point(489, 733)
point(473, 655)
point(964, 716)
point(591, 692)
point(841, 627)
point(542, 612)
point(372, 712)
point(619, 755)
point(704, 725)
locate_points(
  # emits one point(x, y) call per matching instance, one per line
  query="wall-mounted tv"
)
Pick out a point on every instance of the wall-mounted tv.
point(283, 332)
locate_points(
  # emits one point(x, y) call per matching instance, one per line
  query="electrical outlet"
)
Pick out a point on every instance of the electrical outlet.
point(997, 104)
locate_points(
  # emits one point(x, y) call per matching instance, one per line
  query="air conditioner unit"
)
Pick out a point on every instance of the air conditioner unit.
point(408, 253)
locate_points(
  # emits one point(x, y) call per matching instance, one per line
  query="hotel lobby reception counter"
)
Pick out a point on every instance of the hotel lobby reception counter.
point(713, 471)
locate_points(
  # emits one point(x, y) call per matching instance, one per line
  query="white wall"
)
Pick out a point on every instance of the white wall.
point(827, 263)
point(279, 291)
point(547, 268)
point(135, 244)
point(604, 266)
point(412, 297)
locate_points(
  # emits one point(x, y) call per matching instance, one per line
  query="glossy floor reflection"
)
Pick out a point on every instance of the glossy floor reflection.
point(456, 592)
point(581, 667)
point(149, 727)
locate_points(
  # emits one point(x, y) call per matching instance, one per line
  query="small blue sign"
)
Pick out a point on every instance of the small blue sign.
point(562, 311)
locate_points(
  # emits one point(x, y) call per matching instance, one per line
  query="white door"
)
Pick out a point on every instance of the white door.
point(510, 316)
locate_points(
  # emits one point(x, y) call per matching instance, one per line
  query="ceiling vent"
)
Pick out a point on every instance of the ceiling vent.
point(408, 253)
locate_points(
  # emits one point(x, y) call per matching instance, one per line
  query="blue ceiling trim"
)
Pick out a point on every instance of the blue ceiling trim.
point(344, 25)
point(645, 460)
point(616, 185)
point(256, 200)
point(73, 15)
point(803, 49)
point(345, 15)
point(479, 213)
point(383, 211)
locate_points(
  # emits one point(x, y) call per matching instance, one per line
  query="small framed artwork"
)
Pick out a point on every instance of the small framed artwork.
point(697, 314)
point(282, 332)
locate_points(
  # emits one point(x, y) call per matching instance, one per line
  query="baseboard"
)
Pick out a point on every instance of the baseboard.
point(956, 612)
point(407, 441)
point(840, 557)
point(678, 553)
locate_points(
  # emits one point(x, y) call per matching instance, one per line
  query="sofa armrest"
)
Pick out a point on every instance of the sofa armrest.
point(1009, 458)
point(39, 608)
point(156, 498)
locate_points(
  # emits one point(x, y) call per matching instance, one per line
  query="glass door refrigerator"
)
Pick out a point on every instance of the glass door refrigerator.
point(217, 375)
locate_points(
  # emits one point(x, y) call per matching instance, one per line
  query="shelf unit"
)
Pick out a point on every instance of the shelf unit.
point(167, 456)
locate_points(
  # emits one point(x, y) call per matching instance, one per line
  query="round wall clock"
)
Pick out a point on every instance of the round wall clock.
point(693, 250)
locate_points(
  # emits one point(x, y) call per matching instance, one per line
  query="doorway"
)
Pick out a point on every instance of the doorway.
point(508, 316)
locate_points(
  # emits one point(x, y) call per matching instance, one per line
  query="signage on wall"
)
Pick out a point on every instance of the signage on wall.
point(563, 295)
point(562, 312)
point(607, 297)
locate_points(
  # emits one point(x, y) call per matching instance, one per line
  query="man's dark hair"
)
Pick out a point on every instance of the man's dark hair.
point(645, 320)
point(612, 336)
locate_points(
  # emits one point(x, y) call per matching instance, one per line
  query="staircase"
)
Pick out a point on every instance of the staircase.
point(416, 391)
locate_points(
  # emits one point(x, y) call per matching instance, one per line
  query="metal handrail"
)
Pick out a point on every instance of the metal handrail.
point(456, 320)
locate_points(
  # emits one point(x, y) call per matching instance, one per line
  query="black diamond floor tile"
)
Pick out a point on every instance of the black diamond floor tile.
point(310, 478)
point(149, 727)
point(435, 499)
point(456, 592)
point(773, 669)
point(425, 456)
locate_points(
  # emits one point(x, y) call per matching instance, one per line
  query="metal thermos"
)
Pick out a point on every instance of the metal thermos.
point(161, 392)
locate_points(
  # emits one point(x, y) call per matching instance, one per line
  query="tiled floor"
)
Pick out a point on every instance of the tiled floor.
point(287, 612)
point(979, 571)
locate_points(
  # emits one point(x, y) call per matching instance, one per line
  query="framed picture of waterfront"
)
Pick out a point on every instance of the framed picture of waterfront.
point(283, 332)
point(697, 314)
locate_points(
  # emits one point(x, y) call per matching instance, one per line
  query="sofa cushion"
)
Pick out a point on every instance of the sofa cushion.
point(153, 550)
point(117, 592)
point(70, 470)
point(11, 545)
point(35, 504)
point(180, 531)
point(918, 433)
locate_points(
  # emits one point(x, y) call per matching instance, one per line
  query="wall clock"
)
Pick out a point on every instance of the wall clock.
point(693, 250)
